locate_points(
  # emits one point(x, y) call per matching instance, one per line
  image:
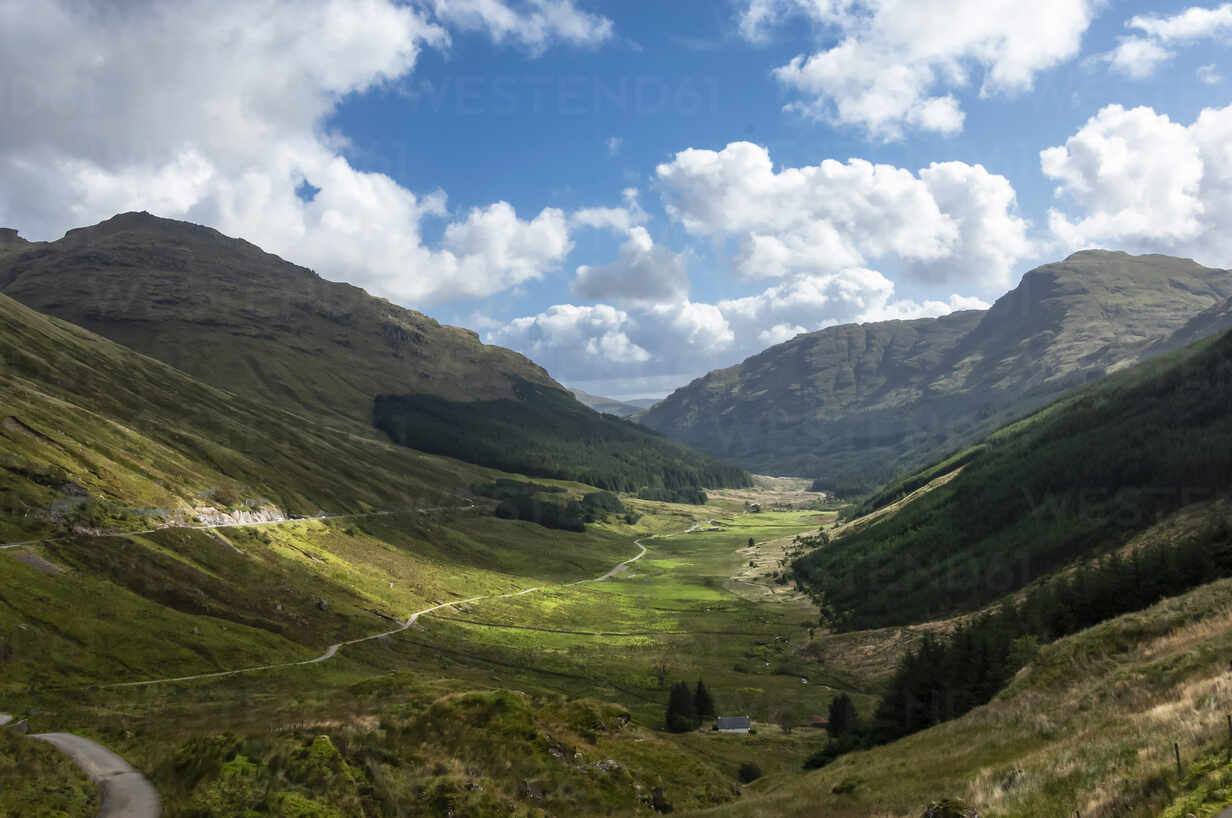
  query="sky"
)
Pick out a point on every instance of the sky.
point(634, 193)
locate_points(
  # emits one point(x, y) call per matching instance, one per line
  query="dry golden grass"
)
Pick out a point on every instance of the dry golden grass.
point(1088, 727)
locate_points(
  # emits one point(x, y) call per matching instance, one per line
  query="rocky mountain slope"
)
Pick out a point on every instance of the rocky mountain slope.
point(855, 404)
point(234, 316)
point(230, 315)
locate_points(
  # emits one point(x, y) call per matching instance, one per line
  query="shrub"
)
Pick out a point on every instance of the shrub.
point(749, 772)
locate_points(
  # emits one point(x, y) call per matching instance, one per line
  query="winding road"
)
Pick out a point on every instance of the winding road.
point(125, 792)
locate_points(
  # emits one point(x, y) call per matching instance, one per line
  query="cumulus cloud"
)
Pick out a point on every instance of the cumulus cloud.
point(893, 63)
point(644, 273)
point(574, 338)
point(1194, 23)
point(1143, 182)
point(618, 219)
point(677, 341)
point(215, 111)
point(952, 223)
point(1138, 55)
point(532, 24)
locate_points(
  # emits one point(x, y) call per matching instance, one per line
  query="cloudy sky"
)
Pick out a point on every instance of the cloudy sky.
point(634, 192)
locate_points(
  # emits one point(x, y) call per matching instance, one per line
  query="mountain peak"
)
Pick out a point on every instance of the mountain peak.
point(225, 311)
point(854, 403)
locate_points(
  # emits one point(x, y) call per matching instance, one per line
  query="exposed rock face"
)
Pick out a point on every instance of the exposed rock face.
point(238, 517)
point(854, 404)
point(230, 314)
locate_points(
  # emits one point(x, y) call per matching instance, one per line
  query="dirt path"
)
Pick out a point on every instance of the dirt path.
point(126, 793)
point(332, 650)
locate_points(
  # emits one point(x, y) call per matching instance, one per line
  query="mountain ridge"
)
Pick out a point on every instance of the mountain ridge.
point(171, 289)
point(854, 404)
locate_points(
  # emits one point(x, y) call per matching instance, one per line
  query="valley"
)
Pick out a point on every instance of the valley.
point(411, 597)
point(618, 638)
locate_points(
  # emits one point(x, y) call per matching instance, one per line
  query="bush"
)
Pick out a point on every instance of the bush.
point(749, 772)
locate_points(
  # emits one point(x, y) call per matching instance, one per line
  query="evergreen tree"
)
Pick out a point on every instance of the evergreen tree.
point(703, 702)
point(843, 717)
point(681, 712)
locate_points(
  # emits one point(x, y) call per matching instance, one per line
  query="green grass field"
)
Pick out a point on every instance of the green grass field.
point(180, 602)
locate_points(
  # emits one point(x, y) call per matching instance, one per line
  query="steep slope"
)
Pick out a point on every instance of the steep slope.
point(1088, 728)
point(1208, 322)
point(235, 317)
point(1077, 479)
point(94, 434)
point(855, 404)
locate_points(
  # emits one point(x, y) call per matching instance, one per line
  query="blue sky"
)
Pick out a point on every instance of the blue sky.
point(457, 150)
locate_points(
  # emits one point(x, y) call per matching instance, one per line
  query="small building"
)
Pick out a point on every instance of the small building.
point(732, 724)
point(820, 723)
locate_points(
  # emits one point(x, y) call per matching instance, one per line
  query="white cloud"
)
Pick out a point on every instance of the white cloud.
point(681, 340)
point(1137, 57)
point(532, 24)
point(951, 224)
point(215, 112)
point(1194, 23)
point(644, 273)
point(1142, 182)
point(890, 64)
point(574, 338)
point(613, 145)
point(1209, 75)
point(618, 219)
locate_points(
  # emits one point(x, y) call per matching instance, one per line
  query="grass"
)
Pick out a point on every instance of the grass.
point(38, 781)
point(1088, 726)
point(181, 601)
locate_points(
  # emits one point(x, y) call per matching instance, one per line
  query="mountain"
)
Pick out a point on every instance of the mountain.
point(1078, 479)
point(611, 406)
point(854, 405)
point(95, 435)
point(233, 316)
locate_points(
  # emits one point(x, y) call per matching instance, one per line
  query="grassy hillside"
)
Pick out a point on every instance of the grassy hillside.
point(1074, 480)
point(854, 405)
point(237, 318)
point(95, 435)
point(234, 316)
point(1087, 728)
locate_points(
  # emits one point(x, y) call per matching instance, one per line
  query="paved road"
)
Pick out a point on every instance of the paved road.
point(125, 793)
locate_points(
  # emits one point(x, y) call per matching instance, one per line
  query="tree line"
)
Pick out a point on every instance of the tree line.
point(946, 677)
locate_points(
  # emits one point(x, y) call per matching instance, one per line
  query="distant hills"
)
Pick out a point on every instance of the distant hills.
point(611, 406)
point(854, 405)
point(235, 317)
